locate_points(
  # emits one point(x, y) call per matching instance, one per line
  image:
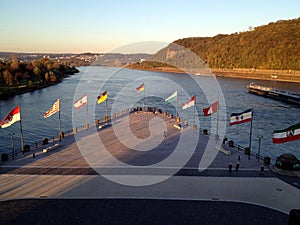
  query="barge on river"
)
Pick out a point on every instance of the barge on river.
point(269, 92)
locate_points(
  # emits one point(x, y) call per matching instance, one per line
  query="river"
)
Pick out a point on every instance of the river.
point(121, 83)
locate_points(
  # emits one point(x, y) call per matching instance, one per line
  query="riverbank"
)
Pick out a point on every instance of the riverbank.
point(243, 73)
point(7, 92)
point(259, 74)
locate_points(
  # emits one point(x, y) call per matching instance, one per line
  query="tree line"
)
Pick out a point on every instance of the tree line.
point(34, 73)
point(274, 46)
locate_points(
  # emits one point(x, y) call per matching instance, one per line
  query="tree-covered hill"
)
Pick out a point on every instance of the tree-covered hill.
point(273, 46)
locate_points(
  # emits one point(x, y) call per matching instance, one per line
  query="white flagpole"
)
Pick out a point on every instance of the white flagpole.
point(195, 112)
point(21, 134)
point(217, 132)
point(106, 107)
point(87, 113)
point(177, 104)
point(250, 141)
point(59, 122)
point(144, 96)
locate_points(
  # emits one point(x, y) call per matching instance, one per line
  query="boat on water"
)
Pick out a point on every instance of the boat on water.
point(269, 92)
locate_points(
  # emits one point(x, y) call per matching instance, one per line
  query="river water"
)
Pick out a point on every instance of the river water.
point(121, 85)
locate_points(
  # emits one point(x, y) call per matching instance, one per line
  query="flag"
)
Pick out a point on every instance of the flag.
point(189, 103)
point(12, 117)
point(53, 109)
point(291, 133)
point(213, 108)
point(237, 118)
point(171, 98)
point(140, 88)
point(102, 97)
point(80, 102)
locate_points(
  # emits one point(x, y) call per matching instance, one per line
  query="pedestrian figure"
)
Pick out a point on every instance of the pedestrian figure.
point(237, 166)
point(230, 167)
point(165, 134)
point(262, 168)
point(239, 158)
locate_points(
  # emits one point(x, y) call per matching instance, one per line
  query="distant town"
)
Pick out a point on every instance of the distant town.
point(82, 59)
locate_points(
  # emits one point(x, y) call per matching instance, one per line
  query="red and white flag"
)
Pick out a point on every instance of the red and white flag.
point(53, 109)
point(12, 117)
point(81, 102)
point(213, 108)
point(189, 103)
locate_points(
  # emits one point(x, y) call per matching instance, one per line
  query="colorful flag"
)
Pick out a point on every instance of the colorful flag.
point(12, 117)
point(53, 109)
point(213, 108)
point(171, 98)
point(140, 88)
point(189, 103)
point(291, 133)
point(237, 118)
point(81, 102)
point(102, 97)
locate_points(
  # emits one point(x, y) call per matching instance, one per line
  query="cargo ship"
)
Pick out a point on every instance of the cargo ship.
point(269, 92)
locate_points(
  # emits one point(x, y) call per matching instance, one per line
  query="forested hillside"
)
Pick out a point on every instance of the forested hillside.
point(274, 46)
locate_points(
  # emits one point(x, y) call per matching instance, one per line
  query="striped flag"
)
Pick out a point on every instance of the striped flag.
point(80, 102)
point(237, 118)
point(171, 98)
point(291, 133)
point(140, 88)
point(101, 98)
point(12, 117)
point(189, 103)
point(54, 109)
point(213, 108)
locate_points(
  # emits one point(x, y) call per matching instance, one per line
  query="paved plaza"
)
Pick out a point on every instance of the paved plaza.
point(123, 161)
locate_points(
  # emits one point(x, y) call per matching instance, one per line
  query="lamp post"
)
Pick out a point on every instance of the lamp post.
point(259, 141)
point(12, 144)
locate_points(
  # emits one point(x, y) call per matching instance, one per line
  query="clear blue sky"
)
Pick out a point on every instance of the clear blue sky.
point(103, 25)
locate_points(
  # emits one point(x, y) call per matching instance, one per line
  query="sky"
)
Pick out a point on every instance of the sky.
point(73, 26)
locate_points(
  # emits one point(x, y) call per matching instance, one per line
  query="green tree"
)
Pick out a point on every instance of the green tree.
point(37, 73)
point(8, 77)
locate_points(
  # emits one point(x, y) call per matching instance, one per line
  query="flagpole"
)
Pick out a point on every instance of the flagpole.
point(21, 135)
point(217, 132)
point(106, 108)
point(194, 113)
point(144, 96)
point(59, 126)
point(250, 141)
point(87, 113)
point(176, 104)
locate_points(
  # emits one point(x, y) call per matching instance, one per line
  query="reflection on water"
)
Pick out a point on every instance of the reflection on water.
point(268, 114)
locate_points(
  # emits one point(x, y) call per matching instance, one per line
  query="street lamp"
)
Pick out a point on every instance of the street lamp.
point(12, 144)
point(259, 140)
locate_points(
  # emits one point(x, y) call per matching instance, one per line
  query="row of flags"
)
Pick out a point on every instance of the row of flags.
point(279, 136)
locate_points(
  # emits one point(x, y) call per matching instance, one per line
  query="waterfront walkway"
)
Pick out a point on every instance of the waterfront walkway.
point(63, 173)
